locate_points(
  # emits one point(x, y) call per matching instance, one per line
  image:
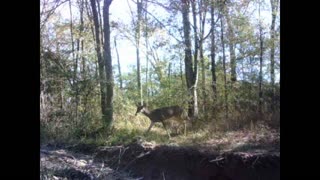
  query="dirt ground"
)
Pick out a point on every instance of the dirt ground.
point(173, 162)
point(258, 160)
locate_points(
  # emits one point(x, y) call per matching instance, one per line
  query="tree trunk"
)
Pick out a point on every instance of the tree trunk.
point(224, 69)
point(190, 71)
point(108, 64)
point(138, 29)
point(147, 48)
point(100, 22)
point(169, 75)
point(102, 77)
point(213, 53)
point(60, 100)
point(118, 59)
point(260, 71)
point(83, 69)
point(181, 71)
point(231, 45)
point(202, 18)
point(274, 8)
point(75, 66)
point(195, 60)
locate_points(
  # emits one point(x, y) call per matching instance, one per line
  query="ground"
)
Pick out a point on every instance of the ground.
point(235, 156)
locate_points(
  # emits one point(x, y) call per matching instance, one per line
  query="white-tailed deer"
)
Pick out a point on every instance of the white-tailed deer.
point(162, 114)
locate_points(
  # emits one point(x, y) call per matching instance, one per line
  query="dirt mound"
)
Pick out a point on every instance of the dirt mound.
point(59, 163)
point(174, 162)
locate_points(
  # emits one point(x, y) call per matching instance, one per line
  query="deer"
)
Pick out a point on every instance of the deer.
point(163, 114)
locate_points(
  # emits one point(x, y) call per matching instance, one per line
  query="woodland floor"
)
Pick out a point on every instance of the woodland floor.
point(234, 156)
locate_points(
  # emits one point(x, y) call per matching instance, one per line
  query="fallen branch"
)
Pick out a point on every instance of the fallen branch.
point(217, 159)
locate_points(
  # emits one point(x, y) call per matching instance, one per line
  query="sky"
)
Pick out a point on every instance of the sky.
point(120, 12)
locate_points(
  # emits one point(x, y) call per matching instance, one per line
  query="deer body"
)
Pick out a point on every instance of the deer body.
point(163, 114)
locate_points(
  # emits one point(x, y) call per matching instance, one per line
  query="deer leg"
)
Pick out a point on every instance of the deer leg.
point(152, 123)
point(166, 129)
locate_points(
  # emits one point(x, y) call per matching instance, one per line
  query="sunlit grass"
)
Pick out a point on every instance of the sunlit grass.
point(128, 128)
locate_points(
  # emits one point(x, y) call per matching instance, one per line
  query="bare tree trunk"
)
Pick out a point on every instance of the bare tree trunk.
point(213, 53)
point(195, 60)
point(71, 31)
point(119, 67)
point(224, 68)
point(60, 100)
point(202, 17)
point(108, 64)
point(169, 74)
point(191, 72)
point(75, 66)
point(100, 22)
point(231, 45)
point(181, 72)
point(83, 69)
point(79, 54)
point(101, 64)
point(260, 71)
point(147, 47)
point(138, 29)
point(274, 8)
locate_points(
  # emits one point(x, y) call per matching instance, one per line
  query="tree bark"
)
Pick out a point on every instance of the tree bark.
point(147, 48)
point(138, 29)
point(274, 11)
point(213, 52)
point(100, 22)
point(261, 63)
point(75, 66)
point(118, 59)
point(231, 45)
point(224, 68)
point(108, 65)
point(190, 71)
point(101, 64)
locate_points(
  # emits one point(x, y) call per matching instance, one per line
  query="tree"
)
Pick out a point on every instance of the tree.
point(137, 38)
point(231, 43)
point(190, 69)
point(101, 64)
point(118, 59)
point(274, 11)
point(213, 50)
point(261, 48)
point(147, 47)
point(224, 61)
point(203, 6)
point(108, 65)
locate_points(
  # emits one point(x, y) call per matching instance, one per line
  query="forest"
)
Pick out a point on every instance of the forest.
point(160, 89)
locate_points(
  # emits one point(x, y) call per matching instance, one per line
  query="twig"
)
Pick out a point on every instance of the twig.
point(120, 155)
point(254, 162)
point(217, 159)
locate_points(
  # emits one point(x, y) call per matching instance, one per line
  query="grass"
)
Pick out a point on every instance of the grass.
point(129, 128)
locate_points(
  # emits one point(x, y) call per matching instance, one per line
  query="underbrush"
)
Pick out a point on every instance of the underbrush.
point(129, 128)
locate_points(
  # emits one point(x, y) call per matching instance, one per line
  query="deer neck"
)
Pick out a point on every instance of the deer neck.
point(147, 112)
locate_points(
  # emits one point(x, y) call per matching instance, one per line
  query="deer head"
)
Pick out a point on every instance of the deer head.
point(140, 107)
